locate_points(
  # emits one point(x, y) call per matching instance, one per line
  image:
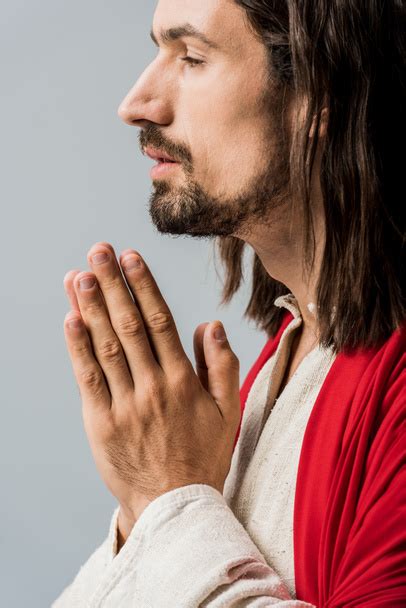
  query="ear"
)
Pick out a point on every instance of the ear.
point(322, 124)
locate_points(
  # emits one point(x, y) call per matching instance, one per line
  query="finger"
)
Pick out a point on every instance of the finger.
point(223, 369)
point(157, 317)
point(201, 366)
point(125, 317)
point(106, 345)
point(89, 376)
point(70, 290)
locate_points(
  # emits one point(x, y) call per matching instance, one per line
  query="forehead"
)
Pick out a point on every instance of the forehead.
point(222, 21)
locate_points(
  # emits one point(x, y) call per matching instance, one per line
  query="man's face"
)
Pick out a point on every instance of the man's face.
point(220, 119)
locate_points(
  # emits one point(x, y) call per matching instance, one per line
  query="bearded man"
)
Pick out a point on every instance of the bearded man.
point(270, 123)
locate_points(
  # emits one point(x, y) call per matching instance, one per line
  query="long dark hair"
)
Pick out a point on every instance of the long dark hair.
point(353, 55)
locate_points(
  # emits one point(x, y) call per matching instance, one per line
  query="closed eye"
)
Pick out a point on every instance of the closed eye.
point(191, 61)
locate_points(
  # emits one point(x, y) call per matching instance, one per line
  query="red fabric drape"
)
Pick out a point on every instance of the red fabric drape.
point(350, 514)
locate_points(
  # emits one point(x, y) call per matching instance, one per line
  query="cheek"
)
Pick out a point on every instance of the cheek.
point(225, 128)
point(227, 142)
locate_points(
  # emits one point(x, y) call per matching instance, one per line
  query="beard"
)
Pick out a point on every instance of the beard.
point(188, 209)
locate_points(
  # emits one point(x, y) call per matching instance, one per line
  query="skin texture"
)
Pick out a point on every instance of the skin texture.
point(223, 120)
point(153, 422)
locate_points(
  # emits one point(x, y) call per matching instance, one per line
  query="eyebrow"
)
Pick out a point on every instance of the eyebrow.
point(181, 31)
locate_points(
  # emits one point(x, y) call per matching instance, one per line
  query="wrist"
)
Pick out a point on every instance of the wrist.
point(126, 520)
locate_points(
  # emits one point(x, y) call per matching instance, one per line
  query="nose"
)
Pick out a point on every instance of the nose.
point(149, 100)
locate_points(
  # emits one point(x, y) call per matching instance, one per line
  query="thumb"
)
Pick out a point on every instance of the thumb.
point(223, 370)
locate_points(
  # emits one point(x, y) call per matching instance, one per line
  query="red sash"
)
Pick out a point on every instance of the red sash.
point(350, 502)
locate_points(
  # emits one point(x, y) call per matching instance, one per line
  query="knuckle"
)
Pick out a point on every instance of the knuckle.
point(94, 308)
point(80, 348)
point(109, 349)
point(144, 284)
point(160, 322)
point(151, 390)
point(111, 283)
point(182, 376)
point(130, 325)
point(91, 378)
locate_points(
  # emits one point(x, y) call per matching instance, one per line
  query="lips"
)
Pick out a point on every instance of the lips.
point(159, 155)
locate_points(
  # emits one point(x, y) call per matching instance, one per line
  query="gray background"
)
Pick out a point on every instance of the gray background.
point(72, 175)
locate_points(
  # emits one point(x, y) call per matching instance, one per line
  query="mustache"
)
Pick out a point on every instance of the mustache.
point(152, 136)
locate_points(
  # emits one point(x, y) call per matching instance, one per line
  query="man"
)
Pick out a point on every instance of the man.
point(269, 120)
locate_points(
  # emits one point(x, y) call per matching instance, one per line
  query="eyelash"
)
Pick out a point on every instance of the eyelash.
point(192, 62)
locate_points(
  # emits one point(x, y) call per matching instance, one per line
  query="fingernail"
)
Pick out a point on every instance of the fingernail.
point(87, 283)
point(74, 323)
point(131, 262)
point(220, 334)
point(100, 258)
